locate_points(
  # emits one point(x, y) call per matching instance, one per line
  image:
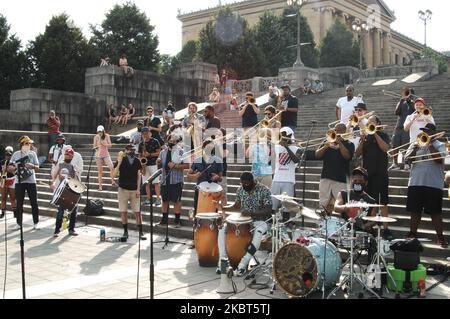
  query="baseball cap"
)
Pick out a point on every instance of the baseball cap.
point(140, 122)
point(129, 146)
point(361, 105)
point(286, 86)
point(360, 171)
point(25, 139)
point(420, 100)
point(60, 137)
point(145, 129)
point(429, 127)
point(9, 150)
point(69, 151)
point(100, 128)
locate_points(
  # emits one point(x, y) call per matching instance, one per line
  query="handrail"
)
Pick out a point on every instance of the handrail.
point(45, 133)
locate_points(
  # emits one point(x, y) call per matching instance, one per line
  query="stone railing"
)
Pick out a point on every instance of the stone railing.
point(428, 66)
point(242, 86)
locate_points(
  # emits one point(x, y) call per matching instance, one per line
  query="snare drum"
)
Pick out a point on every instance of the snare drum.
point(238, 237)
point(303, 232)
point(333, 225)
point(362, 239)
point(207, 193)
point(68, 194)
point(298, 268)
point(205, 237)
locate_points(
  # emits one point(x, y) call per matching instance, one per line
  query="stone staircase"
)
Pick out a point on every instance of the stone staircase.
point(317, 107)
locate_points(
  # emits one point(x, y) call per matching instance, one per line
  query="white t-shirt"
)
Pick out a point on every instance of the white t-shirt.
point(58, 152)
point(284, 166)
point(347, 108)
point(414, 130)
point(356, 138)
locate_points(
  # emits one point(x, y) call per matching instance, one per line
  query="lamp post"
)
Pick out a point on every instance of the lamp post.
point(360, 27)
point(297, 4)
point(425, 16)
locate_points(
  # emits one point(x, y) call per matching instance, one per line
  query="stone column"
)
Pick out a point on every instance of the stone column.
point(376, 48)
point(326, 21)
point(368, 49)
point(387, 49)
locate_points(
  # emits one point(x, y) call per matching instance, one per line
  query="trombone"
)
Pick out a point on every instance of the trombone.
point(396, 95)
point(423, 139)
point(353, 120)
point(371, 129)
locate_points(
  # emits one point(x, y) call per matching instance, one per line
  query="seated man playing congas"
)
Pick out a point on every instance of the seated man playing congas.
point(253, 200)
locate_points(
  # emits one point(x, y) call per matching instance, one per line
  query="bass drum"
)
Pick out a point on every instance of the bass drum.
point(298, 269)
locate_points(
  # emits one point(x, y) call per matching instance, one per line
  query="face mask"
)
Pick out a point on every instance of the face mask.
point(171, 145)
point(358, 188)
point(248, 188)
point(26, 148)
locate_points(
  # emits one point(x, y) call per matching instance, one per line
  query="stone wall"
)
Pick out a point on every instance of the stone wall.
point(147, 88)
point(428, 66)
point(30, 110)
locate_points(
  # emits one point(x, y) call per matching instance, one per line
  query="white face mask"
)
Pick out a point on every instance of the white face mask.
point(26, 148)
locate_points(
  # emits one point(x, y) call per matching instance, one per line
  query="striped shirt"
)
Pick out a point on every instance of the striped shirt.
point(176, 175)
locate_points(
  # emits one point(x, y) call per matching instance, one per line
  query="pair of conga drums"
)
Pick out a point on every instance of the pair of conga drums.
point(238, 238)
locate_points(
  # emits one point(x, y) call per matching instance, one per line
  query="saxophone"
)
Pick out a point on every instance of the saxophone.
point(4, 175)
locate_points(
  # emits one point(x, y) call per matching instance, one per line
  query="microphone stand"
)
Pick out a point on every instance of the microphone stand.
point(304, 161)
point(88, 186)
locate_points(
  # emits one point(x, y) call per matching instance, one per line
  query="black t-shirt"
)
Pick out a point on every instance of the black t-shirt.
point(154, 123)
point(375, 161)
point(249, 119)
point(289, 118)
point(406, 108)
point(2, 168)
point(213, 123)
point(128, 174)
point(335, 166)
point(151, 146)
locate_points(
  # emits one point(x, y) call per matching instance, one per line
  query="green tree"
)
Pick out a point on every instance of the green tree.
point(127, 30)
point(288, 31)
point(229, 43)
point(167, 64)
point(14, 66)
point(60, 56)
point(338, 47)
point(189, 53)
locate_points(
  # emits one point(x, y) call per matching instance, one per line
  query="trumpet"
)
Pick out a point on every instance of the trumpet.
point(371, 129)
point(251, 100)
point(120, 155)
point(354, 119)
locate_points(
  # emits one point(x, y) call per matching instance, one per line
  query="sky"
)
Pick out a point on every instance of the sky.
point(28, 18)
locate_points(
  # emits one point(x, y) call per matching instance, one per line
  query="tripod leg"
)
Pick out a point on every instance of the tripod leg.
point(333, 292)
point(367, 288)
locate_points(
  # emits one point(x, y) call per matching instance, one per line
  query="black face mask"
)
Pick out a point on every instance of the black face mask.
point(171, 145)
point(67, 161)
point(358, 188)
point(249, 188)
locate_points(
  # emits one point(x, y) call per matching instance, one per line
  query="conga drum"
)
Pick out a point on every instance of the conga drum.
point(238, 237)
point(205, 236)
point(207, 193)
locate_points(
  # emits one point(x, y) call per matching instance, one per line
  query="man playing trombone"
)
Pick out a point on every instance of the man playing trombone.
point(404, 108)
point(426, 183)
point(336, 156)
point(416, 121)
point(373, 147)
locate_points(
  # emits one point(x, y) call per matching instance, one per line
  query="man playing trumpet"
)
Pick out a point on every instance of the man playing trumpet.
point(373, 148)
point(149, 150)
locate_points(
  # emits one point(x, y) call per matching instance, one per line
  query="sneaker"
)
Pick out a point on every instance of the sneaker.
point(158, 202)
point(73, 233)
point(407, 167)
point(125, 235)
point(177, 223)
point(240, 272)
point(387, 234)
point(163, 222)
point(2, 214)
point(443, 243)
point(411, 235)
point(15, 227)
point(56, 235)
point(142, 237)
point(147, 202)
point(36, 226)
point(218, 271)
point(394, 167)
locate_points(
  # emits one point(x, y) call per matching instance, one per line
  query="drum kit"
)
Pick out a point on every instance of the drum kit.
point(311, 260)
point(68, 194)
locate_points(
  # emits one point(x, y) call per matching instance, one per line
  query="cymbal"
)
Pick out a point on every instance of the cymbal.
point(380, 219)
point(295, 207)
point(363, 205)
point(284, 198)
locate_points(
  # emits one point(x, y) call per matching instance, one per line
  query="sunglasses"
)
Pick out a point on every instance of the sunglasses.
point(26, 143)
point(359, 110)
point(268, 114)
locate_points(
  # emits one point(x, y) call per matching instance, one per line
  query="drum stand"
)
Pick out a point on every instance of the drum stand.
point(378, 257)
point(351, 277)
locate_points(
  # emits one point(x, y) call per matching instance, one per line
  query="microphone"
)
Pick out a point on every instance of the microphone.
point(313, 122)
point(96, 148)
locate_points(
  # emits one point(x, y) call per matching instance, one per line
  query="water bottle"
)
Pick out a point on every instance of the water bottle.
point(102, 235)
point(65, 224)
